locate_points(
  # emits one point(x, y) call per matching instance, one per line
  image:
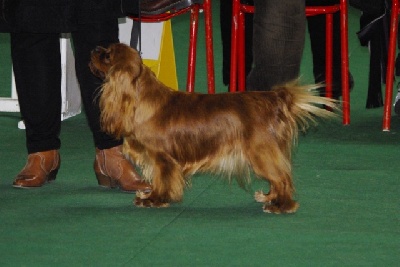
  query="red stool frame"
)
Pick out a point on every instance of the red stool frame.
point(194, 26)
point(237, 72)
point(394, 24)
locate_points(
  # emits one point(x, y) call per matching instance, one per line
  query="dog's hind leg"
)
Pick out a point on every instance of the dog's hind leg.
point(276, 170)
point(167, 183)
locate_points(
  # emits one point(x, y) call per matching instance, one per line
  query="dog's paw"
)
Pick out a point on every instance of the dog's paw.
point(147, 203)
point(143, 194)
point(145, 200)
point(260, 197)
point(288, 207)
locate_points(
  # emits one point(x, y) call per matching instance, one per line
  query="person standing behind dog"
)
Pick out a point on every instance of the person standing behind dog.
point(316, 27)
point(275, 36)
point(278, 43)
point(35, 28)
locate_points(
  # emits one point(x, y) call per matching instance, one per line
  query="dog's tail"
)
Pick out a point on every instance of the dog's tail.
point(304, 103)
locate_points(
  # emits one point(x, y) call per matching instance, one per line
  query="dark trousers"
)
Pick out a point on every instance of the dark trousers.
point(316, 28)
point(273, 56)
point(278, 43)
point(37, 68)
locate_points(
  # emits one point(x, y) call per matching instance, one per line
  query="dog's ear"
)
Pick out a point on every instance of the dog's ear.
point(117, 101)
point(122, 76)
point(129, 67)
point(126, 69)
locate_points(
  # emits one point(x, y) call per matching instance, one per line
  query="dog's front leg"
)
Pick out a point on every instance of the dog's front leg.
point(134, 150)
point(167, 182)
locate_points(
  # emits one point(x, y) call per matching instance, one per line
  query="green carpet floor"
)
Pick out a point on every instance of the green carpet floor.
point(347, 180)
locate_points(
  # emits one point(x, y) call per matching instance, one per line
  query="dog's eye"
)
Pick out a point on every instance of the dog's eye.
point(106, 57)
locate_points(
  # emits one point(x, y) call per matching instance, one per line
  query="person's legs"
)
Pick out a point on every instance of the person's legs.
point(279, 34)
point(37, 69)
point(85, 39)
point(112, 169)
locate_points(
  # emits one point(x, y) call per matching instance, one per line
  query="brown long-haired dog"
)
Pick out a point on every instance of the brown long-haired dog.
point(171, 135)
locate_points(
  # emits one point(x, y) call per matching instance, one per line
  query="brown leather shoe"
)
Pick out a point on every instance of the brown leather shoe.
point(40, 168)
point(113, 170)
point(155, 7)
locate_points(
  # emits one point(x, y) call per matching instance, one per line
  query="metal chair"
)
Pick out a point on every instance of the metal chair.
point(194, 10)
point(237, 72)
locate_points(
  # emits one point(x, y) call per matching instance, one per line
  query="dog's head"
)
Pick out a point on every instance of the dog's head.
point(120, 66)
point(115, 60)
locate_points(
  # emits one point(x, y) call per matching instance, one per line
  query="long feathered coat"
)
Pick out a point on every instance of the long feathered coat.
point(54, 16)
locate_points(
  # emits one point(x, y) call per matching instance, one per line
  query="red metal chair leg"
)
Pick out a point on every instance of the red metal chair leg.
point(209, 46)
point(329, 55)
point(241, 53)
point(194, 27)
point(345, 61)
point(387, 108)
point(234, 46)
